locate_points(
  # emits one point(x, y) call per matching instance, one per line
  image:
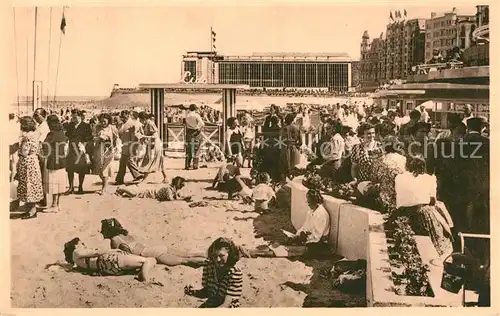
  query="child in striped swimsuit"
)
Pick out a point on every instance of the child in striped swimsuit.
point(222, 279)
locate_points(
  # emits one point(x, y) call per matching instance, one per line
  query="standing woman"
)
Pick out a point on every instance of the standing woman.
point(234, 139)
point(290, 153)
point(55, 148)
point(153, 159)
point(364, 153)
point(104, 151)
point(79, 135)
point(270, 151)
point(29, 189)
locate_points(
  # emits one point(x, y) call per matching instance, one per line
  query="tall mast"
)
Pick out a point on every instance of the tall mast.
point(34, 58)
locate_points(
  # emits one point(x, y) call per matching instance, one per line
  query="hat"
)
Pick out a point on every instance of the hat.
point(477, 121)
point(484, 119)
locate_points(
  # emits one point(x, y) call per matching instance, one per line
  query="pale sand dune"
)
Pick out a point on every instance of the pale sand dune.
point(268, 282)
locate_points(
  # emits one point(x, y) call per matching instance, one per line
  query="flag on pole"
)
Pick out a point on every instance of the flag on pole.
point(213, 33)
point(391, 17)
point(63, 24)
point(405, 13)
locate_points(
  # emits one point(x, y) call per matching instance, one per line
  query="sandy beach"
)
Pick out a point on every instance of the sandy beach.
point(269, 282)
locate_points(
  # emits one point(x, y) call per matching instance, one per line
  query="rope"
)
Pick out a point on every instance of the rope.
point(58, 60)
point(34, 57)
point(48, 67)
point(15, 52)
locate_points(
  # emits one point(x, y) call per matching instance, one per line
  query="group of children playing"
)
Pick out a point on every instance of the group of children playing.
point(228, 179)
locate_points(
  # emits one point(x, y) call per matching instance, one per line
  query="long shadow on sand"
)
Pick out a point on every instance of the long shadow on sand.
point(320, 291)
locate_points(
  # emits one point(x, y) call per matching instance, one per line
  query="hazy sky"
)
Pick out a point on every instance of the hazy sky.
point(131, 45)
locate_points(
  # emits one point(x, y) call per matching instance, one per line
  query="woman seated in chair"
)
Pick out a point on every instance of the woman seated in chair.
point(111, 262)
point(120, 239)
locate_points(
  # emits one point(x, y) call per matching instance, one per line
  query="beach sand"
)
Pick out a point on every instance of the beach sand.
point(271, 282)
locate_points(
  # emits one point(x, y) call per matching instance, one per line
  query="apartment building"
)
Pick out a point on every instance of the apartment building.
point(444, 32)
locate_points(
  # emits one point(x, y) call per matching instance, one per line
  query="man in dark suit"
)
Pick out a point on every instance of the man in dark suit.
point(474, 191)
point(79, 135)
point(475, 166)
point(442, 160)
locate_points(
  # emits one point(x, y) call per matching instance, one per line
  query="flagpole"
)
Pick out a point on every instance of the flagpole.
point(58, 57)
point(34, 59)
point(48, 67)
point(211, 40)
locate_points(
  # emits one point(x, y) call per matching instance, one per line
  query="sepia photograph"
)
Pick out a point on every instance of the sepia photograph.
point(243, 155)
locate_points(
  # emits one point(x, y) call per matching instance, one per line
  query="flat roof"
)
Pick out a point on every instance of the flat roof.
point(299, 54)
point(192, 86)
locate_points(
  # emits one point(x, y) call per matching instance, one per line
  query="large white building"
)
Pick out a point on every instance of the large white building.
point(271, 70)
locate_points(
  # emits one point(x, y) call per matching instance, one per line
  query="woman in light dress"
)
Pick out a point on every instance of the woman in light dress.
point(153, 159)
point(29, 175)
point(105, 146)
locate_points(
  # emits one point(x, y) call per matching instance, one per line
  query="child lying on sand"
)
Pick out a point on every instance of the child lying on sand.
point(165, 193)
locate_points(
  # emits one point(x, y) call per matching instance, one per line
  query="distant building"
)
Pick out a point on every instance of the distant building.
point(328, 71)
point(445, 32)
point(392, 56)
point(478, 53)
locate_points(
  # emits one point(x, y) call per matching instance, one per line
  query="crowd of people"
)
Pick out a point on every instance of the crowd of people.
point(51, 149)
point(373, 148)
point(208, 114)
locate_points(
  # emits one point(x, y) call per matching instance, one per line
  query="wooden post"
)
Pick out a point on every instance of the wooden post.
point(157, 96)
point(228, 110)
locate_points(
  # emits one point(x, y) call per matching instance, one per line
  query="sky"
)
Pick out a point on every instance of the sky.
point(104, 45)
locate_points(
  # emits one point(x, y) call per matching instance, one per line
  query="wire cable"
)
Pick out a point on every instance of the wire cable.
point(17, 68)
point(48, 67)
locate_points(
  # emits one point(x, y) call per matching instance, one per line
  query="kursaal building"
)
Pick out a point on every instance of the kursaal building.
point(329, 71)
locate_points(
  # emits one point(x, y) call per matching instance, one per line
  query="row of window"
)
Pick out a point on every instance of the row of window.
point(442, 42)
point(299, 75)
point(439, 24)
point(446, 32)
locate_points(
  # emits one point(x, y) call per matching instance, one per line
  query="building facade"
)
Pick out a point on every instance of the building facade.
point(272, 70)
point(478, 53)
point(447, 31)
point(392, 56)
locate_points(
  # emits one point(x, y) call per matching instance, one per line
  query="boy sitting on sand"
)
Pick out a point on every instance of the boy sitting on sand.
point(165, 193)
point(263, 194)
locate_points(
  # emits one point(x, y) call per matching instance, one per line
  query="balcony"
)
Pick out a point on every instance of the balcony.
point(425, 69)
point(482, 34)
point(476, 74)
